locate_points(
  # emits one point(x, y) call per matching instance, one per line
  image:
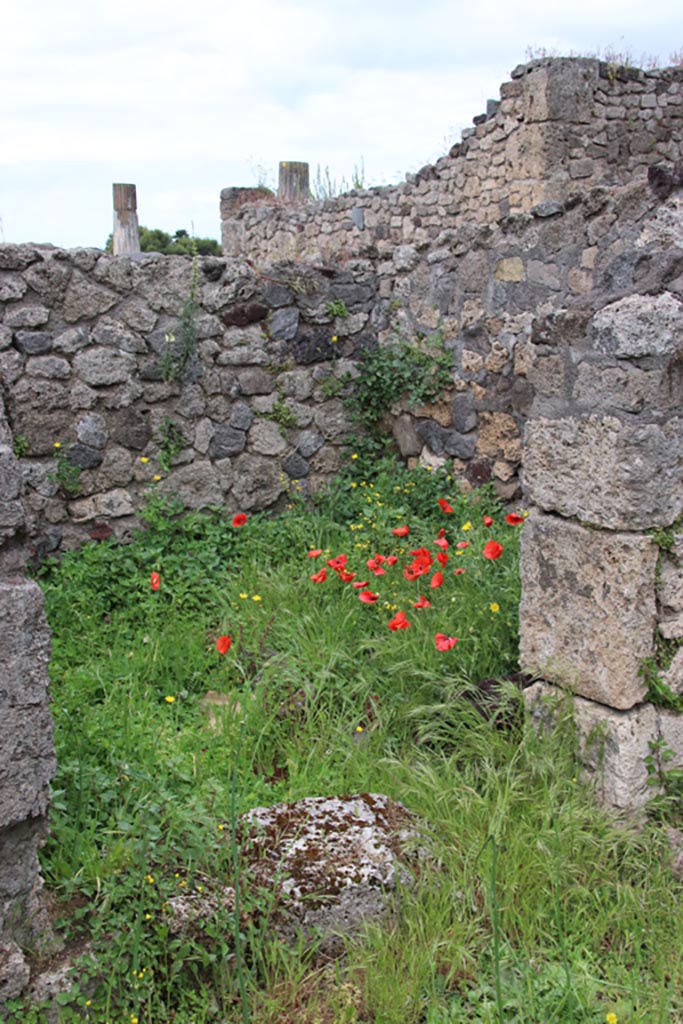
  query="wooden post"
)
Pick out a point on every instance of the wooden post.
point(293, 184)
point(126, 234)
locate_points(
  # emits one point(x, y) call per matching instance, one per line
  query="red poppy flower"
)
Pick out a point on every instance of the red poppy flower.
point(376, 562)
point(442, 543)
point(488, 521)
point(462, 544)
point(401, 531)
point(239, 520)
point(442, 559)
point(445, 643)
point(392, 560)
point(492, 550)
point(458, 572)
point(315, 552)
point(399, 621)
point(422, 603)
point(413, 572)
point(442, 532)
point(319, 577)
point(367, 597)
point(358, 585)
point(513, 519)
point(337, 563)
point(345, 576)
point(444, 505)
point(155, 581)
point(223, 644)
point(436, 580)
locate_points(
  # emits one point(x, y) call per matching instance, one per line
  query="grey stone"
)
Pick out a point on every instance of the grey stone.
point(84, 457)
point(27, 316)
point(52, 367)
point(442, 441)
point(405, 435)
point(14, 972)
point(131, 429)
point(72, 340)
point(333, 420)
point(241, 416)
point(619, 476)
point(113, 334)
point(100, 366)
point(266, 439)
point(92, 430)
point(295, 466)
point(84, 299)
point(33, 343)
point(640, 325)
point(198, 485)
point(309, 442)
point(405, 258)
point(296, 384)
point(11, 287)
point(226, 441)
point(5, 337)
point(463, 413)
point(284, 323)
point(18, 257)
point(253, 381)
point(112, 504)
point(257, 484)
point(587, 613)
point(548, 208)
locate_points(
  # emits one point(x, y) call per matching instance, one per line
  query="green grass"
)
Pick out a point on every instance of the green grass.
point(537, 906)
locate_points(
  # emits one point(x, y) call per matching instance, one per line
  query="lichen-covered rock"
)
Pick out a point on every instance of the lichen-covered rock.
point(329, 863)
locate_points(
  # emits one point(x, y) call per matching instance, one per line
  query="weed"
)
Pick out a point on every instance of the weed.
point(282, 414)
point(176, 358)
point(337, 308)
point(66, 474)
point(20, 445)
point(171, 443)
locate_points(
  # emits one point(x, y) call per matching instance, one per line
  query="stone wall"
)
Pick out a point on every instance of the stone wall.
point(546, 250)
point(27, 758)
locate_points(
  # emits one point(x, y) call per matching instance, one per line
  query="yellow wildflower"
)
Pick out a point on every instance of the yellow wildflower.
point(611, 1018)
point(57, 444)
point(244, 596)
point(467, 525)
point(257, 597)
point(170, 700)
point(355, 455)
point(144, 459)
point(494, 607)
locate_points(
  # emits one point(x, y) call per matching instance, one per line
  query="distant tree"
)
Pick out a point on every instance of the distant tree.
point(178, 244)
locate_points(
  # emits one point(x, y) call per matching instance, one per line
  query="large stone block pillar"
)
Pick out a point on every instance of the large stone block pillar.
point(27, 754)
point(603, 468)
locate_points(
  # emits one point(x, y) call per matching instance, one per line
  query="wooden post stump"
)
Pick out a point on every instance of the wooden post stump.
point(126, 233)
point(293, 185)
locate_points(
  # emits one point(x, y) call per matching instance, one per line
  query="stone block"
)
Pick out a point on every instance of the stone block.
point(100, 366)
point(613, 744)
point(612, 474)
point(27, 760)
point(24, 645)
point(266, 439)
point(587, 615)
point(640, 325)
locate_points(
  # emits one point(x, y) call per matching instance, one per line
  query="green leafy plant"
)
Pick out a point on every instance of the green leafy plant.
point(667, 805)
point(66, 474)
point(20, 445)
point(282, 414)
point(171, 443)
point(337, 308)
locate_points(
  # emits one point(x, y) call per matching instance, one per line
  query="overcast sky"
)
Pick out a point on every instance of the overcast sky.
point(183, 99)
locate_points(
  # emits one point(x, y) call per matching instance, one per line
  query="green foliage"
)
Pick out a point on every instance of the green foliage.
point(178, 244)
point(418, 371)
point(337, 308)
point(66, 473)
point(171, 443)
point(667, 805)
point(282, 414)
point(20, 445)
